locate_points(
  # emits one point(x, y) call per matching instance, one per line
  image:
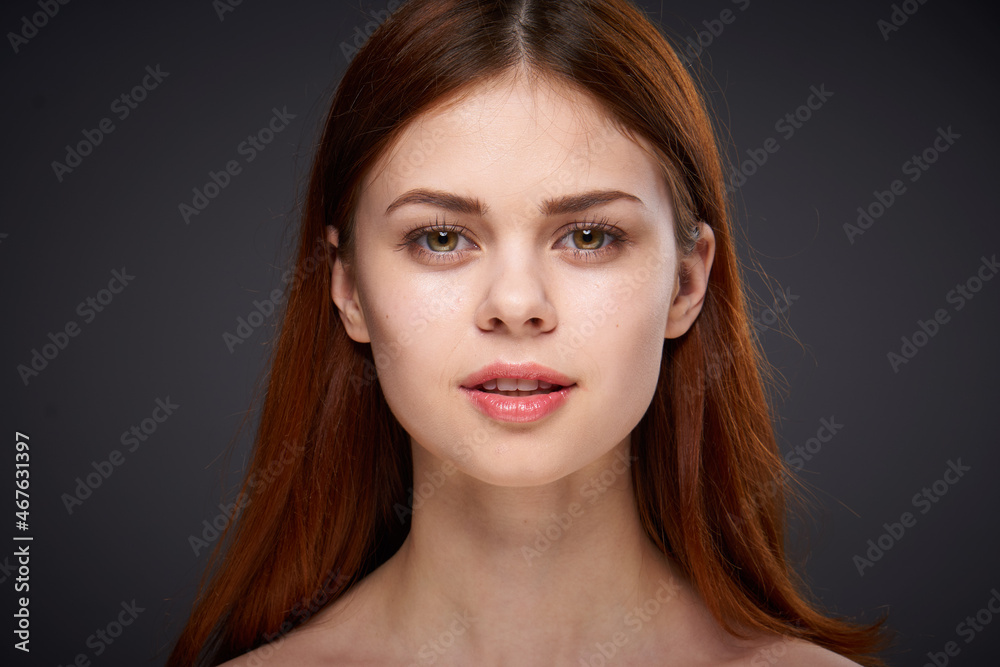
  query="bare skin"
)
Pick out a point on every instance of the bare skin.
point(468, 597)
point(525, 545)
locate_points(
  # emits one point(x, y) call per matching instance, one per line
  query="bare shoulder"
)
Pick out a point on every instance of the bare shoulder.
point(788, 652)
point(337, 635)
point(705, 642)
point(306, 647)
point(812, 654)
point(294, 649)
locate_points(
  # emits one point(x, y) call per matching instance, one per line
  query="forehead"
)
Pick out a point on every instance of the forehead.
point(514, 138)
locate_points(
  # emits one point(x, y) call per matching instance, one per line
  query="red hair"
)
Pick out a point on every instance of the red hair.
point(709, 480)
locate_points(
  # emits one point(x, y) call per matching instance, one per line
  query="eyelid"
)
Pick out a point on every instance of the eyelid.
point(412, 237)
point(620, 239)
point(619, 243)
point(437, 226)
point(598, 224)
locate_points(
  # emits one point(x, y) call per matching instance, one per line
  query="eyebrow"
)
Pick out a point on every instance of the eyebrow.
point(472, 206)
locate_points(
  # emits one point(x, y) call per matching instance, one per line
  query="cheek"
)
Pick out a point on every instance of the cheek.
point(415, 325)
point(615, 331)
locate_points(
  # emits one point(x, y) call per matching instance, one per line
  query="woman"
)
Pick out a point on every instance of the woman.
point(518, 416)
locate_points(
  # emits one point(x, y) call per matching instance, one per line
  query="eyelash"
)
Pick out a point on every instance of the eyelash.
point(619, 240)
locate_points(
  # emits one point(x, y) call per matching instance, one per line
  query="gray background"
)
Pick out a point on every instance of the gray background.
point(162, 335)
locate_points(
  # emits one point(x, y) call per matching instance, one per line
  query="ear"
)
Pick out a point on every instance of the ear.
point(345, 295)
point(689, 292)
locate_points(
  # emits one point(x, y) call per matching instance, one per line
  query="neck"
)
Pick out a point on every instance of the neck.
point(557, 572)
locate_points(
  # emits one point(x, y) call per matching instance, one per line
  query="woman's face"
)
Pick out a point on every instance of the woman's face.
point(516, 226)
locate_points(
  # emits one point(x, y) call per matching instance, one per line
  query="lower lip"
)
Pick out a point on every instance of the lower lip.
point(518, 409)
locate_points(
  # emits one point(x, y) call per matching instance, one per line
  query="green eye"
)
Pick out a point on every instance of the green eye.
point(588, 239)
point(442, 241)
point(595, 240)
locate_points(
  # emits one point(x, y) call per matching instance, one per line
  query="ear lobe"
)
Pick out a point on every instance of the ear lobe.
point(345, 295)
point(689, 292)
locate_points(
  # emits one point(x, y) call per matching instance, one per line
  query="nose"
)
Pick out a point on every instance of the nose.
point(517, 298)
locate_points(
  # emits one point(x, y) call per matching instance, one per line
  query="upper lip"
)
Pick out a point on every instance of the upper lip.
point(526, 371)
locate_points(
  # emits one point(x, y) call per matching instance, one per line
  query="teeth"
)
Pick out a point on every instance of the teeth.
point(517, 386)
point(512, 384)
point(519, 394)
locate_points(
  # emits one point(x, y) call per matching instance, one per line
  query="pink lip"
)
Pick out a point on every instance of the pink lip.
point(527, 371)
point(518, 409)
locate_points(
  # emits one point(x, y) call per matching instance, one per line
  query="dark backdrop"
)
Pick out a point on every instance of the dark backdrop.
point(870, 432)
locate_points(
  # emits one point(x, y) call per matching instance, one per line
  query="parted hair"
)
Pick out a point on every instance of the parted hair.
point(708, 476)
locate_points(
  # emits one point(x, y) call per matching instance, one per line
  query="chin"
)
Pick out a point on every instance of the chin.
point(525, 462)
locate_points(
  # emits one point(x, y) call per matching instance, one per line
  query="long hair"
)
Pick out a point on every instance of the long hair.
point(331, 462)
